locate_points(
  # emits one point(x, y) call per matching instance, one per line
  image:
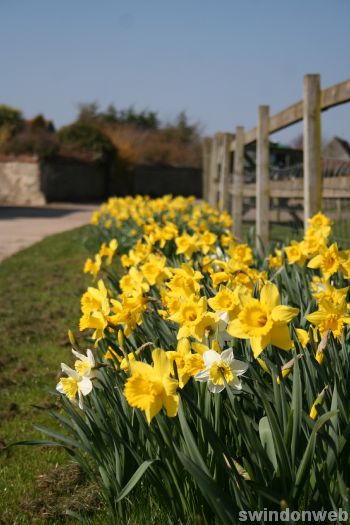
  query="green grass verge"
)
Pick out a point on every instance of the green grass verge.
point(40, 289)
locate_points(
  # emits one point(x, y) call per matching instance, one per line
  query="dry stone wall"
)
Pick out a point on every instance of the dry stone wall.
point(20, 182)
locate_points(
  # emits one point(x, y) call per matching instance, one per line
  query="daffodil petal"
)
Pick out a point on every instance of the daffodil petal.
point(215, 389)
point(270, 296)
point(316, 317)
point(202, 376)
point(239, 367)
point(161, 362)
point(210, 356)
point(280, 337)
point(315, 262)
point(171, 404)
point(235, 329)
point(227, 356)
point(283, 313)
point(85, 386)
point(236, 383)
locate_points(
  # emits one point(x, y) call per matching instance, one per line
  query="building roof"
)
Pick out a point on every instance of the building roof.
point(344, 143)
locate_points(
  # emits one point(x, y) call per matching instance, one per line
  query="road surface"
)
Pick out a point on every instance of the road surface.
point(21, 227)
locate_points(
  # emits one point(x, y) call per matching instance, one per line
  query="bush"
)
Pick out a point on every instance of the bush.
point(40, 143)
point(82, 137)
point(11, 118)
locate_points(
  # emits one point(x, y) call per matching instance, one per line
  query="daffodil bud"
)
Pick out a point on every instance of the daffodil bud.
point(318, 402)
point(121, 338)
point(320, 354)
point(71, 338)
point(285, 373)
point(313, 412)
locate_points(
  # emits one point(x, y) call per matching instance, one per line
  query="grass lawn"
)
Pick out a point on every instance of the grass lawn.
point(40, 289)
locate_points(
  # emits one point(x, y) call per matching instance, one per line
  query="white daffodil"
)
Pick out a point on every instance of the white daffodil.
point(74, 385)
point(221, 368)
point(85, 364)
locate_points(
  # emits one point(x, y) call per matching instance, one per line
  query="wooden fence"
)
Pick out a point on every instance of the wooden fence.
point(223, 160)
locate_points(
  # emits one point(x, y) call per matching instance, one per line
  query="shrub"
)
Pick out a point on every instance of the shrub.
point(83, 137)
point(40, 143)
point(11, 118)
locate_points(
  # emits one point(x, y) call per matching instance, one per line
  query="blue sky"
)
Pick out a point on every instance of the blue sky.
point(218, 60)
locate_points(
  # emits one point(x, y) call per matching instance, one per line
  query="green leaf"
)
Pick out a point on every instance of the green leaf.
point(223, 507)
point(296, 408)
point(267, 440)
point(309, 453)
point(190, 441)
point(135, 478)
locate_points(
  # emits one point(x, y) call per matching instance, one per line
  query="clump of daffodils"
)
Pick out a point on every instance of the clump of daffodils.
point(204, 293)
point(206, 363)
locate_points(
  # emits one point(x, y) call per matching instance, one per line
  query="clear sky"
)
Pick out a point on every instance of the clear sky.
point(217, 59)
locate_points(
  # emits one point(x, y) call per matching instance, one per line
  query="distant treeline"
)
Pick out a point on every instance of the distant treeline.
point(136, 137)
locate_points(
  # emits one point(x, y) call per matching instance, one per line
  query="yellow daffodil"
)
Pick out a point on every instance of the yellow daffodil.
point(330, 316)
point(128, 310)
point(313, 242)
point(93, 266)
point(329, 261)
point(193, 318)
point(322, 290)
point(150, 388)
point(207, 242)
point(185, 279)
point(321, 223)
point(179, 357)
point(154, 269)
point(95, 307)
point(133, 281)
point(264, 321)
point(276, 261)
point(241, 256)
point(187, 245)
point(109, 251)
point(295, 253)
point(226, 301)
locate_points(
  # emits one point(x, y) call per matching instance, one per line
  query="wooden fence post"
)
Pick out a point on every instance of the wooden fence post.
point(213, 171)
point(225, 169)
point(262, 177)
point(312, 147)
point(206, 168)
point(238, 181)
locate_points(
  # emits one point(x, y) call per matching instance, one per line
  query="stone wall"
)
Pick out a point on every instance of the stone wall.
point(29, 181)
point(20, 182)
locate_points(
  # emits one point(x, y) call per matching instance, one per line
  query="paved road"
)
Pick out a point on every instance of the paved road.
point(22, 226)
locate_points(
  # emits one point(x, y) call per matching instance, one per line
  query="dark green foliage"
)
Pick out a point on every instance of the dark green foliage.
point(181, 130)
point(85, 137)
point(10, 118)
point(144, 119)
